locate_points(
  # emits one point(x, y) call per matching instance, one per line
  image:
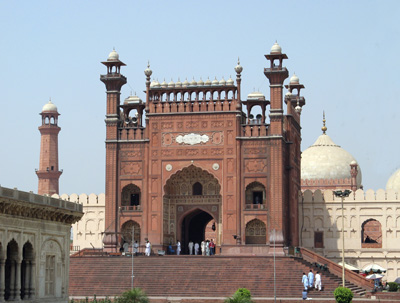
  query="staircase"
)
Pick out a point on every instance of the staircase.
point(196, 276)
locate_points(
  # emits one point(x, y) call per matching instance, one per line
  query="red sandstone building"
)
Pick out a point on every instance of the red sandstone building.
point(189, 163)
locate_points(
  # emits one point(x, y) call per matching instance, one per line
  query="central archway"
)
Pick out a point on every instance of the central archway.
point(197, 226)
point(191, 207)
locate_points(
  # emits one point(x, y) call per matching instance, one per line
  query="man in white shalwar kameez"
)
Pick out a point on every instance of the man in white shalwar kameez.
point(318, 283)
point(196, 248)
point(148, 249)
point(191, 248)
point(135, 248)
point(310, 279)
point(304, 280)
point(203, 247)
point(178, 248)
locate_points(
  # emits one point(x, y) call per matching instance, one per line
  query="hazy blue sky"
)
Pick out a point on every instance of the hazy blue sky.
point(344, 52)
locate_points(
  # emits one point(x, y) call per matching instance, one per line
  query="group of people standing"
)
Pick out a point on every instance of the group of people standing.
point(308, 281)
point(207, 248)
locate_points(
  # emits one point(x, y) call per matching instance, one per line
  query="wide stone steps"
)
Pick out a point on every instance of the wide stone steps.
point(192, 276)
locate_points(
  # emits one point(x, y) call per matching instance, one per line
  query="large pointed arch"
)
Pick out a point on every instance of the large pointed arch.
point(191, 195)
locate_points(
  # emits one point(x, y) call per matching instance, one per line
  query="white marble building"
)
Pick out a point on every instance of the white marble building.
point(34, 246)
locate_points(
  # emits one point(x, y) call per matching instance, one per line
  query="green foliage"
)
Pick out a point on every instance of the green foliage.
point(135, 295)
point(343, 295)
point(393, 286)
point(242, 295)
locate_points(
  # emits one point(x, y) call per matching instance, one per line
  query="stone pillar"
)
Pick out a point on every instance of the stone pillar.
point(27, 279)
point(32, 290)
point(2, 279)
point(12, 280)
point(17, 290)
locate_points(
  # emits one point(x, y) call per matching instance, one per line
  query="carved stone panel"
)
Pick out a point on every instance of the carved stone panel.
point(256, 165)
point(231, 138)
point(154, 203)
point(154, 222)
point(229, 183)
point(131, 154)
point(154, 139)
point(167, 125)
point(231, 166)
point(230, 203)
point(131, 168)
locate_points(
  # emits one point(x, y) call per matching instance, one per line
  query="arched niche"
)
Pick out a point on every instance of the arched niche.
point(126, 232)
point(131, 196)
point(256, 232)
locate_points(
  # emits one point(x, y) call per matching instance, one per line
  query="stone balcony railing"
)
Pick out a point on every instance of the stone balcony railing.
point(254, 130)
point(255, 207)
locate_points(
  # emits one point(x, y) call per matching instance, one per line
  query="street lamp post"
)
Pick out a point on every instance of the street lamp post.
point(342, 195)
point(133, 248)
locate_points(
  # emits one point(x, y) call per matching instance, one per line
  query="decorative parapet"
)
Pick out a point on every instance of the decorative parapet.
point(27, 204)
point(84, 199)
point(192, 99)
point(359, 195)
point(327, 183)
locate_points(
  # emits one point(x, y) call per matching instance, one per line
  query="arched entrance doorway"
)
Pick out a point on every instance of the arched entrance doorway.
point(126, 232)
point(191, 207)
point(197, 226)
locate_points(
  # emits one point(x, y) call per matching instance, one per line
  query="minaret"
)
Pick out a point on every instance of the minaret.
point(276, 74)
point(113, 81)
point(48, 172)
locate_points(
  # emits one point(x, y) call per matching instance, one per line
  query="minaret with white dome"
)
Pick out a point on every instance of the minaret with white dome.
point(113, 81)
point(48, 172)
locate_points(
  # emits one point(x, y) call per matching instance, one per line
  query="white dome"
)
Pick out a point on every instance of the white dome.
point(178, 83)
point(276, 49)
point(132, 100)
point(294, 79)
point(256, 96)
point(164, 84)
point(156, 84)
point(394, 181)
point(171, 84)
point(215, 82)
point(222, 81)
point(326, 160)
point(208, 82)
point(113, 56)
point(185, 83)
point(229, 81)
point(200, 82)
point(193, 83)
point(49, 107)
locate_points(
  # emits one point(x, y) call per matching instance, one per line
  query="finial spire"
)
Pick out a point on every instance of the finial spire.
point(324, 128)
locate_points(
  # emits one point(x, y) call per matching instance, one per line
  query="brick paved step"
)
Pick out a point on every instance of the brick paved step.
point(193, 276)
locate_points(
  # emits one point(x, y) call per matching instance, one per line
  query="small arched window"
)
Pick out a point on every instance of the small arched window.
point(197, 189)
point(255, 196)
point(371, 234)
point(130, 196)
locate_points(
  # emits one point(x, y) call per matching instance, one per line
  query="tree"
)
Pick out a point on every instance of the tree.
point(343, 295)
point(242, 295)
point(135, 295)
